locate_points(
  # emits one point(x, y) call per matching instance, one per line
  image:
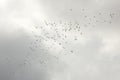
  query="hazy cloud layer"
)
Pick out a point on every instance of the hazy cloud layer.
point(59, 40)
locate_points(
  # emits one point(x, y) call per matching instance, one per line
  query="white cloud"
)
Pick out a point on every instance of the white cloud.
point(94, 55)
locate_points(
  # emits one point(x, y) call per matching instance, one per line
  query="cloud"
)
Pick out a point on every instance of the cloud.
point(34, 46)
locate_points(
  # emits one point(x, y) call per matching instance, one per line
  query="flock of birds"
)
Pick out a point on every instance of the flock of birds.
point(57, 35)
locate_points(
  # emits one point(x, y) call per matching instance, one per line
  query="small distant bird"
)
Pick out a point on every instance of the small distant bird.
point(71, 51)
point(70, 9)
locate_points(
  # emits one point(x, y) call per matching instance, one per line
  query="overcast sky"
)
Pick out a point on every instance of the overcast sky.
point(59, 40)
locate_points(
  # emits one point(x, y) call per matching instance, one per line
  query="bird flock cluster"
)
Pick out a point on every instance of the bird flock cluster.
point(55, 36)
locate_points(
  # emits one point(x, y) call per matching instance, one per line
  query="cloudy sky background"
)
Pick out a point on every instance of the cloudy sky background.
point(95, 54)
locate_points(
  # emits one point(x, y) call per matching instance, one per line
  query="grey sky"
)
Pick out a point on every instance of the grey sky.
point(59, 40)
